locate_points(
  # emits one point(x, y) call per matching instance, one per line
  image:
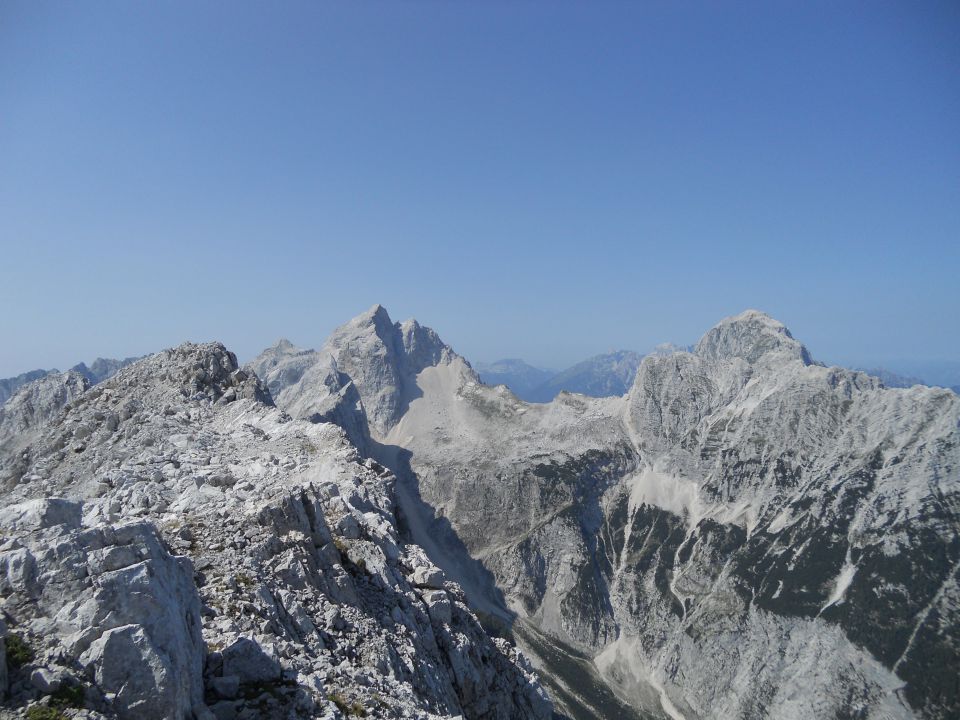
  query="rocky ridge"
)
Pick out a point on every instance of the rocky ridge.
point(176, 546)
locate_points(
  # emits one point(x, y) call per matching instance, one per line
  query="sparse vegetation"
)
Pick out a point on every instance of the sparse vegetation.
point(68, 696)
point(19, 653)
point(340, 701)
point(43, 712)
point(355, 708)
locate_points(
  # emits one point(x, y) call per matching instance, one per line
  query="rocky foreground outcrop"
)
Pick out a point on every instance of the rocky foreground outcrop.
point(173, 546)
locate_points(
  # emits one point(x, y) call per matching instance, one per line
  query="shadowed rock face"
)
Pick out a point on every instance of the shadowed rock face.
point(723, 541)
point(174, 545)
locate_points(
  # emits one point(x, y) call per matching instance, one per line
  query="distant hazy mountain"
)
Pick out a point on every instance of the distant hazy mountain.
point(938, 373)
point(102, 368)
point(599, 376)
point(892, 379)
point(521, 377)
point(942, 376)
point(98, 371)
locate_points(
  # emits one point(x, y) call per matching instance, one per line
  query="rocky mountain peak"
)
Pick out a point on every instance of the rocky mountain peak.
point(191, 370)
point(283, 345)
point(377, 318)
point(382, 359)
point(422, 346)
point(751, 335)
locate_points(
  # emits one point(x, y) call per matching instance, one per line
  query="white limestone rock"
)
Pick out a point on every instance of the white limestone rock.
point(291, 548)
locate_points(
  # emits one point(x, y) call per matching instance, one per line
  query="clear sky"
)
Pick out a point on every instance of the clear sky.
point(538, 180)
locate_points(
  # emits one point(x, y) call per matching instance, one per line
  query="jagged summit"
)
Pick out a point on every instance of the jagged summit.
point(283, 344)
point(376, 316)
point(364, 375)
point(751, 335)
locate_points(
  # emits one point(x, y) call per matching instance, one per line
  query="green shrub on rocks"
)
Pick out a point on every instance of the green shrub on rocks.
point(19, 653)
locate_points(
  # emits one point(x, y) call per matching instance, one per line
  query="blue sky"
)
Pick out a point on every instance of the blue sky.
point(542, 180)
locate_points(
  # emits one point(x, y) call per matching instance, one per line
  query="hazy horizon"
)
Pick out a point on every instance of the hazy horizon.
point(532, 181)
point(929, 368)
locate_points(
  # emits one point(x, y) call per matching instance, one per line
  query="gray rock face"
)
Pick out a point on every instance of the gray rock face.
point(723, 541)
point(291, 594)
point(139, 676)
point(751, 336)
point(38, 401)
point(9, 386)
point(4, 681)
point(308, 385)
point(108, 599)
point(247, 661)
point(282, 365)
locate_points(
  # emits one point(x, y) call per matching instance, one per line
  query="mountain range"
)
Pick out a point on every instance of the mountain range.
point(612, 374)
point(371, 529)
point(599, 376)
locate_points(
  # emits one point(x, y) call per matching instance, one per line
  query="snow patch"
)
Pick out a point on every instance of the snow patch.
point(842, 583)
point(667, 492)
point(780, 522)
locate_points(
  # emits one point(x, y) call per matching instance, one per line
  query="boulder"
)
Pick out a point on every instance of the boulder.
point(127, 663)
point(39, 514)
point(428, 576)
point(250, 662)
point(438, 607)
point(45, 680)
